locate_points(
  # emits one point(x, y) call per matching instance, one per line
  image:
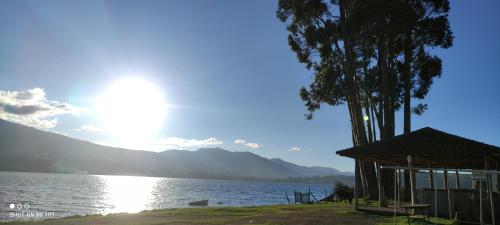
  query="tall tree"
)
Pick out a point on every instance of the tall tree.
point(400, 32)
point(370, 55)
point(425, 25)
point(325, 42)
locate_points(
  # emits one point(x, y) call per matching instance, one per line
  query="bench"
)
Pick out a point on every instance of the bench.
point(417, 212)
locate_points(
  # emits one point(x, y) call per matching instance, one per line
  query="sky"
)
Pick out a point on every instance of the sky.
point(220, 73)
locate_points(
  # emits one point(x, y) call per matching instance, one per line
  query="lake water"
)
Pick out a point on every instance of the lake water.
point(44, 195)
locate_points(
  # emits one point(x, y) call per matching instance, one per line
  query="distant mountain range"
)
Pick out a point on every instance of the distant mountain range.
point(30, 150)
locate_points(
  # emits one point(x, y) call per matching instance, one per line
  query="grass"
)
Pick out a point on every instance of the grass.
point(400, 220)
point(323, 213)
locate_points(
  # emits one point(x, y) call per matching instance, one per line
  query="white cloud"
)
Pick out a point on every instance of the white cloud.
point(90, 127)
point(186, 144)
point(253, 145)
point(240, 141)
point(248, 144)
point(295, 149)
point(61, 133)
point(31, 108)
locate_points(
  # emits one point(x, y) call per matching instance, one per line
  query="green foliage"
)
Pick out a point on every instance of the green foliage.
point(419, 109)
point(343, 192)
point(313, 34)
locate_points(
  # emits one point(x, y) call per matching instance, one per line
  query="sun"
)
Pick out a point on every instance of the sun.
point(132, 109)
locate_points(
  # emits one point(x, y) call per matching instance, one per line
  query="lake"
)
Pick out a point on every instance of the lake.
point(46, 195)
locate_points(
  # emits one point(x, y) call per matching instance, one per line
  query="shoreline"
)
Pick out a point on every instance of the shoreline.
point(269, 180)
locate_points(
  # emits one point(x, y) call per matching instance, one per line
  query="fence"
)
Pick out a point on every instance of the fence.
point(464, 204)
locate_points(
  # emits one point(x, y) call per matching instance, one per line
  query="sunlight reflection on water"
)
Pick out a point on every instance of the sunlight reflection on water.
point(128, 194)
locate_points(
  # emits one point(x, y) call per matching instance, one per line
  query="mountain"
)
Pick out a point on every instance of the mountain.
point(305, 171)
point(226, 163)
point(30, 150)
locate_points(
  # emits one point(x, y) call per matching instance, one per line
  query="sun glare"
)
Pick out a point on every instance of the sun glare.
point(129, 194)
point(132, 109)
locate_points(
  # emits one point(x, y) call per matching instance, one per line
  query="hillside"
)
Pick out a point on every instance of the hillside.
point(30, 150)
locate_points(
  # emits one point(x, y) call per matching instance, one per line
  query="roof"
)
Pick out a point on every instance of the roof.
point(428, 147)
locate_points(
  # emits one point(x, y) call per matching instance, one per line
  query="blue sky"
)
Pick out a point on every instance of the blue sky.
point(225, 71)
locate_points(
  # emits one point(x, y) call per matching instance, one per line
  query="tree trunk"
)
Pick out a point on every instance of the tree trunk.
point(363, 179)
point(387, 91)
point(388, 113)
point(371, 180)
point(391, 79)
point(369, 166)
point(384, 87)
point(368, 124)
point(352, 91)
point(407, 96)
point(372, 118)
point(407, 85)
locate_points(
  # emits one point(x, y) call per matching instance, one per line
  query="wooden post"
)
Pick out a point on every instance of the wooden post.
point(447, 188)
point(395, 194)
point(431, 178)
point(356, 177)
point(445, 175)
point(457, 179)
point(435, 198)
point(480, 198)
point(498, 178)
point(412, 181)
point(490, 189)
point(400, 190)
point(286, 195)
point(380, 186)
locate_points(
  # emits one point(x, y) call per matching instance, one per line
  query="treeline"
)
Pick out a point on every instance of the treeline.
point(333, 179)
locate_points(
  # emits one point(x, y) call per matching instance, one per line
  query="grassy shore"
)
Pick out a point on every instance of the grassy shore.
point(326, 213)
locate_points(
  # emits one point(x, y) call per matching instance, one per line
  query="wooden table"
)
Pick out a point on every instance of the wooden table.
point(420, 211)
